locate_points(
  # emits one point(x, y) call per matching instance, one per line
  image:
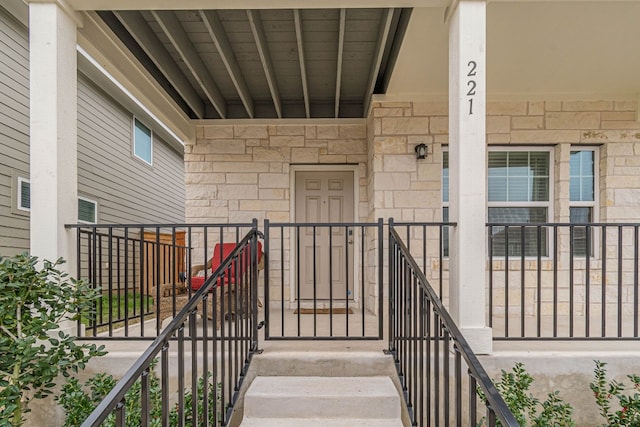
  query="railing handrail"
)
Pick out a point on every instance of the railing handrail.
point(563, 224)
point(102, 411)
point(494, 399)
point(165, 225)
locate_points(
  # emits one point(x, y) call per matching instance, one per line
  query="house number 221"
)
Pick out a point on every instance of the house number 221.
point(471, 84)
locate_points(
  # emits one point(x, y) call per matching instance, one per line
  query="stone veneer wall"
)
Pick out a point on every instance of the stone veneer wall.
point(410, 190)
point(238, 172)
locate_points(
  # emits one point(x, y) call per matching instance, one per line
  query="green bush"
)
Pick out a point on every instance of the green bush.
point(628, 405)
point(79, 400)
point(528, 410)
point(33, 302)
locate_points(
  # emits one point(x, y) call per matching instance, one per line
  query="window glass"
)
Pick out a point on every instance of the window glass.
point(582, 199)
point(581, 176)
point(142, 142)
point(24, 194)
point(518, 176)
point(87, 210)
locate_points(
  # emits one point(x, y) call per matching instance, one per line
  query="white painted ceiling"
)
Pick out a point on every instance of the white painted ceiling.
point(542, 49)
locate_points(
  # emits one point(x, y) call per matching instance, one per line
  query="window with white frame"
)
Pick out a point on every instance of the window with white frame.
point(87, 210)
point(142, 142)
point(582, 197)
point(519, 187)
point(24, 194)
point(445, 202)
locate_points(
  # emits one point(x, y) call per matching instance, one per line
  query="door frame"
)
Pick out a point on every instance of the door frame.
point(356, 218)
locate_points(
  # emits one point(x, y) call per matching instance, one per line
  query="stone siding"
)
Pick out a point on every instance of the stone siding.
point(410, 190)
point(235, 173)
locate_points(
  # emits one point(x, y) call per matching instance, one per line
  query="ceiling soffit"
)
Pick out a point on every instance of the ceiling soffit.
point(269, 63)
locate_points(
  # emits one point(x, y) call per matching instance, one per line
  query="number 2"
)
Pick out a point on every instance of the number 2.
point(472, 91)
point(472, 71)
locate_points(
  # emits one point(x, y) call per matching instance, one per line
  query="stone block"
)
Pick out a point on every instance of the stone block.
point(399, 163)
point(241, 166)
point(430, 108)
point(393, 181)
point(304, 155)
point(198, 167)
point(242, 178)
point(332, 158)
point(221, 146)
point(290, 130)
point(632, 125)
point(201, 191)
point(390, 145)
point(414, 199)
point(587, 106)
point(310, 132)
point(355, 131)
point(347, 146)
point(274, 180)
point(271, 193)
point(388, 112)
point(266, 154)
point(237, 192)
point(193, 157)
point(528, 122)
point(439, 125)
point(507, 108)
point(327, 131)
point(264, 205)
point(287, 141)
point(545, 136)
point(573, 120)
point(250, 131)
point(536, 108)
point(626, 106)
point(498, 124)
point(619, 115)
point(553, 106)
point(405, 125)
point(218, 132)
point(204, 178)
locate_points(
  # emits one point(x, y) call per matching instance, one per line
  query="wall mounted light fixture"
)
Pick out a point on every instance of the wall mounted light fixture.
point(421, 151)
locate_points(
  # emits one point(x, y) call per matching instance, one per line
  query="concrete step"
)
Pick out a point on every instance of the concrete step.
point(319, 422)
point(322, 401)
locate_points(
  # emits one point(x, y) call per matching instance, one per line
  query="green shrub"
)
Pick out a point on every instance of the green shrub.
point(604, 391)
point(528, 410)
point(79, 400)
point(33, 303)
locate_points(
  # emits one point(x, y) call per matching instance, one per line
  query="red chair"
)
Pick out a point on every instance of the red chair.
point(218, 256)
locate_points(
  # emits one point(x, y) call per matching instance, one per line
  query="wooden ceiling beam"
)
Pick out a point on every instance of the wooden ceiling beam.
point(265, 57)
point(383, 35)
point(181, 42)
point(140, 30)
point(343, 18)
point(303, 69)
point(214, 26)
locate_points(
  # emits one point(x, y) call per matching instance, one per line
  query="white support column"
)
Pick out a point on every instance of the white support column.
point(53, 150)
point(467, 171)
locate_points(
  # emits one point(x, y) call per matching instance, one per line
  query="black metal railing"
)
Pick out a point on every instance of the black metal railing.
point(323, 280)
point(145, 272)
point(423, 339)
point(217, 356)
point(428, 244)
point(564, 281)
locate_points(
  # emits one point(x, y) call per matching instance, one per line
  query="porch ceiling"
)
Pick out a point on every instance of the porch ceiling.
point(545, 50)
point(270, 63)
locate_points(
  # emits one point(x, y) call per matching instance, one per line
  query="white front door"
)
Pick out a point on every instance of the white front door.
point(325, 197)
